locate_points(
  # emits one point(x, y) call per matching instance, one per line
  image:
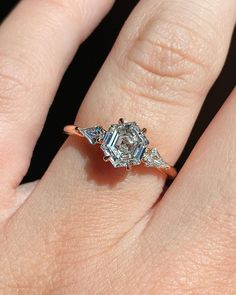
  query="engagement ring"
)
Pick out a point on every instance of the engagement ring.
point(124, 145)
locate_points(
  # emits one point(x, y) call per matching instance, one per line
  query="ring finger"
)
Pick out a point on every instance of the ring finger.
point(158, 74)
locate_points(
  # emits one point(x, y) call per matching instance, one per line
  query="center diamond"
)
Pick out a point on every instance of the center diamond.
point(124, 144)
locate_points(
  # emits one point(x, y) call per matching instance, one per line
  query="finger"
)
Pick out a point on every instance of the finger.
point(21, 194)
point(158, 73)
point(37, 42)
point(197, 215)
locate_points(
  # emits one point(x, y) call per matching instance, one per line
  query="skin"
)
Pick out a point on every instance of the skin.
point(86, 228)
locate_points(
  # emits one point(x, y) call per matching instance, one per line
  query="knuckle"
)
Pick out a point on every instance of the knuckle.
point(13, 77)
point(166, 55)
point(57, 4)
point(63, 8)
point(16, 82)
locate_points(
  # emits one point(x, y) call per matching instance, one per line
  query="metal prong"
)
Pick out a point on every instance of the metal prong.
point(128, 168)
point(99, 141)
point(121, 121)
point(144, 130)
point(106, 158)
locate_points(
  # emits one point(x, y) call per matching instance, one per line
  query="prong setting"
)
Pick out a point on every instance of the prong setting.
point(99, 141)
point(124, 145)
point(121, 121)
point(128, 168)
point(144, 130)
point(106, 158)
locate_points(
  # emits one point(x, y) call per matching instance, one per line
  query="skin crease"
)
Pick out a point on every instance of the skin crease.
point(86, 228)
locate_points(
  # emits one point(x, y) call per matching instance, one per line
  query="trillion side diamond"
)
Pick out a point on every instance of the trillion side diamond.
point(124, 144)
point(93, 134)
point(153, 159)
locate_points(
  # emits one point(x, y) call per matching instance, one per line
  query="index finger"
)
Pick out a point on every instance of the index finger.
point(37, 42)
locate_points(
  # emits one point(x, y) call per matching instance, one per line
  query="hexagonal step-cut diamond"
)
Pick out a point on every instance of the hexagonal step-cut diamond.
point(125, 144)
point(153, 159)
point(93, 134)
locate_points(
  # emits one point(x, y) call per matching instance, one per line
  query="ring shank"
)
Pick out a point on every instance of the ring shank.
point(169, 171)
point(72, 130)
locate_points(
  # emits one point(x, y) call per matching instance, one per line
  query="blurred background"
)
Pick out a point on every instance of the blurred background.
point(82, 72)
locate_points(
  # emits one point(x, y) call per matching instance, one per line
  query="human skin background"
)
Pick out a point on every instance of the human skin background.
point(91, 229)
point(82, 71)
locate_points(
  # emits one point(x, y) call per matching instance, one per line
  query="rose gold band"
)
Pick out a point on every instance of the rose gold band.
point(169, 171)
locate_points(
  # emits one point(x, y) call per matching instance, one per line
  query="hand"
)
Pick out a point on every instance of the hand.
point(85, 227)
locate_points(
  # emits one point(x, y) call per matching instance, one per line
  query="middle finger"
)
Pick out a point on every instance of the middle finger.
point(158, 74)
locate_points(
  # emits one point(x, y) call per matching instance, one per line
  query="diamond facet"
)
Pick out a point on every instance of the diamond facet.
point(153, 159)
point(125, 144)
point(93, 134)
